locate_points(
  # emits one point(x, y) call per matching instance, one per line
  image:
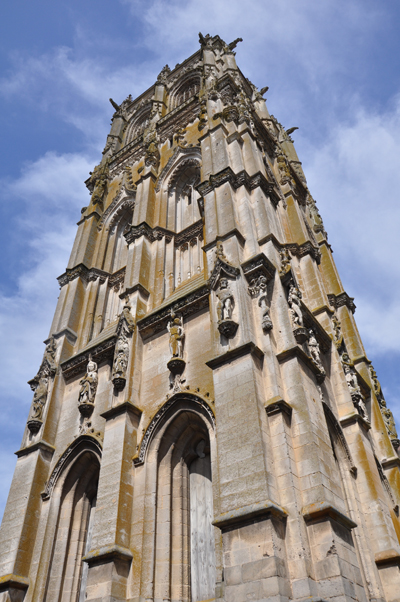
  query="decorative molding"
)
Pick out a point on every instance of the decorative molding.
point(257, 266)
point(64, 458)
point(222, 266)
point(249, 348)
point(324, 511)
point(90, 274)
point(391, 462)
point(152, 234)
point(120, 201)
point(342, 299)
point(237, 517)
point(298, 250)
point(193, 231)
point(185, 306)
point(179, 157)
point(77, 364)
point(193, 398)
point(297, 352)
point(257, 180)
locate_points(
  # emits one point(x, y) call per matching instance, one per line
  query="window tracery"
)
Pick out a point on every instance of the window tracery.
point(185, 90)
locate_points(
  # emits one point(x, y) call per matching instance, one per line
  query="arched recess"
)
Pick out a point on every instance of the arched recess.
point(138, 123)
point(116, 256)
point(180, 469)
point(73, 502)
point(178, 181)
point(186, 88)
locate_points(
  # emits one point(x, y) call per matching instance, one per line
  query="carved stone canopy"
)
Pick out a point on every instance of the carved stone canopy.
point(258, 266)
point(222, 268)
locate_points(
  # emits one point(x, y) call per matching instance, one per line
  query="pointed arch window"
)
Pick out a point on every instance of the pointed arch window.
point(67, 574)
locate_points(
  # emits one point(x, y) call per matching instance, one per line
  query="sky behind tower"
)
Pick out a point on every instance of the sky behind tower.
point(333, 69)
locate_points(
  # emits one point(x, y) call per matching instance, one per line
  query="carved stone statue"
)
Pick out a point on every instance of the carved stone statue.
point(337, 329)
point(315, 351)
point(285, 261)
point(176, 336)
point(388, 419)
point(354, 387)
point(126, 326)
point(39, 399)
point(295, 309)
point(121, 357)
point(266, 322)
point(88, 388)
point(225, 301)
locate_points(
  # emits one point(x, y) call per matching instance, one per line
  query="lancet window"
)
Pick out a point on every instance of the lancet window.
point(68, 573)
point(184, 91)
point(184, 218)
point(137, 125)
point(184, 538)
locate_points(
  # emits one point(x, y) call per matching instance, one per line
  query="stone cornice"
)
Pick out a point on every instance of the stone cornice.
point(297, 352)
point(12, 581)
point(325, 510)
point(42, 445)
point(353, 418)
point(108, 554)
point(122, 408)
point(90, 274)
point(342, 299)
point(236, 180)
point(185, 306)
point(158, 233)
point(236, 517)
point(298, 250)
point(389, 557)
point(392, 462)
point(256, 266)
point(277, 405)
point(249, 348)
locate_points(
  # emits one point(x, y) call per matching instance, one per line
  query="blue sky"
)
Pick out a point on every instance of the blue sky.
point(333, 68)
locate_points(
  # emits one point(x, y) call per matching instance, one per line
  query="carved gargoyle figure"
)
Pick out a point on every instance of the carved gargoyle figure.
point(258, 285)
point(87, 392)
point(354, 387)
point(176, 336)
point(296, 313)
point(225, 301)
point(219, 252)
point(205, 41)
point(315, 351)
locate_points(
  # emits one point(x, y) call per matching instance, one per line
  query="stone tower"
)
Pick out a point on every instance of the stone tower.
point(205, 423)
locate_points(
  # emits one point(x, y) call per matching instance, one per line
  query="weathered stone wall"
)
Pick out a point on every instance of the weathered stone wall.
point(202, 322)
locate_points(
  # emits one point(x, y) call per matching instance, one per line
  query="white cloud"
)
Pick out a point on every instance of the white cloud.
point(355, 176)
point(49, 194)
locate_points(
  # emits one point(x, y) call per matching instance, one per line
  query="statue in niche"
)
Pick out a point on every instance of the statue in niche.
point(295, 309)
point(285, 261)
point(337, 329)
point(121, 357)
point(88, 384)
point(225, 301)
point(50, 353)
point(39, 399)
point(176, 336)
point(126, 326)
point(354, 387)
point(315, 351)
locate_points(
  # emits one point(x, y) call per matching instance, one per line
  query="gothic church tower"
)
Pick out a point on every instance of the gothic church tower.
point(205, 423)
